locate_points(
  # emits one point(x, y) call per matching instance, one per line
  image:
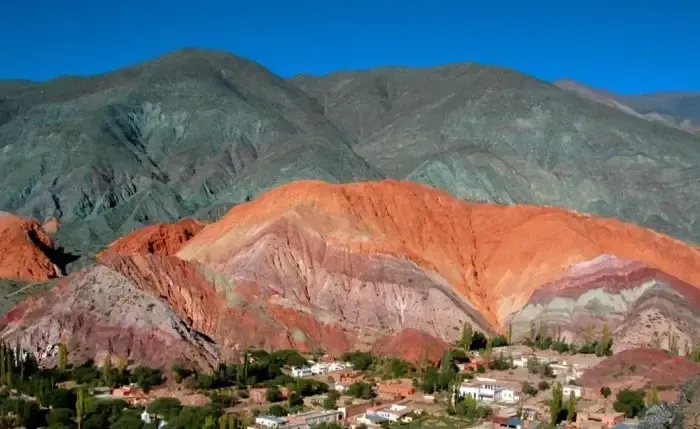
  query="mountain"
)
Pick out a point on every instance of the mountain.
point(187, 133)
point(676, 109)
point(395, 267)
point(194, 132)
point(492, 134)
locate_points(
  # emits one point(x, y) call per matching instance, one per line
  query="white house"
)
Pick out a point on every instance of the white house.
point(568, 390)
point(270, 422)
point(395, 413)
point(559, 369)
point(146, 417)
point(340, 388)
point(322, 368)
point(299, 372)
point(488, 390)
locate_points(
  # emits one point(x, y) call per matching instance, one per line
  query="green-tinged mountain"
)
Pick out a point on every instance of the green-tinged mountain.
point(492, 134)
point(192, 132)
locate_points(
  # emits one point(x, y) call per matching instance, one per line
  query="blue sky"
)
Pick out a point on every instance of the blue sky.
point(622, 45)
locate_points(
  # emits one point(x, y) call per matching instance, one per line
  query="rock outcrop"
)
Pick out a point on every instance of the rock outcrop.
point(25, 250)
point(161, 239)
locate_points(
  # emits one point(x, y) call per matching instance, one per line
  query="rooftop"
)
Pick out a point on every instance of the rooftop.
point(275, 419)
point(376, 419)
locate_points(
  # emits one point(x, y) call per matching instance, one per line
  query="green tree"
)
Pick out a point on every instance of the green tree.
point(277, 410)
point(60, 418)
point(127, 420)
point(529, 389)
point(273, 394)
point(604, 346)
point(330, 402)
point(510, 333)
point(62, 357)
point(209, 423)
point(80, 407)
point(652, 396)
point(295, 400)
point(571, 408)
point(466, 337)
point(630, 402)
point(165, 408)
point(556, 404)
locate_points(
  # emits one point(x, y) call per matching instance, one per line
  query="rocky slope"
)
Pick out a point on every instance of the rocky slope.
point(195, 132)
point(26, 251)
point(639, 368)
point(161, 239)
point(390, 266)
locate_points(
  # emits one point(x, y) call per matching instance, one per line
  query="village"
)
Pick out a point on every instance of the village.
point(519, 386)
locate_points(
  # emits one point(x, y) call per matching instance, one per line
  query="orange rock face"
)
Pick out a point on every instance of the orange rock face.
point(494, 256)
point(161, 239)
point(24, 248)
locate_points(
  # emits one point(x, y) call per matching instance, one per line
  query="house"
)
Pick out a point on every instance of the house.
point(299, 372)
point(559, 370)
point(340, 388)
point(351, 411)
point(395, 390)
point(372, 420)
point(607, 420)
point(270, 422)
point(489, 390)
point(569, 390)
point(258, 396)
point(311, 419)
point(396, 413)
point(322, 368)
point(347, 377)
point(131, 394)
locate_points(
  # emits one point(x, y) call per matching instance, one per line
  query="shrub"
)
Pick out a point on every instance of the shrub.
point(630, 402)
point(529, 389)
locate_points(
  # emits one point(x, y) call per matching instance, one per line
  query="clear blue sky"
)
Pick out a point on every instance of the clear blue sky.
point(622, 45)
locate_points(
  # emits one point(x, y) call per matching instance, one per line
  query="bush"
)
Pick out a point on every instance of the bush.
point(499, 341)
point(605, 391)
point(295, 400)
point(360, 390)
point(277, 410)
point(630, 402)
point(167, 408)
point(330, 402)
point(360, 361)
point(543, 385)
point(273, 394)
point(60, 417)
point(529, 389)
point(57, 398)
point(147, 377)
